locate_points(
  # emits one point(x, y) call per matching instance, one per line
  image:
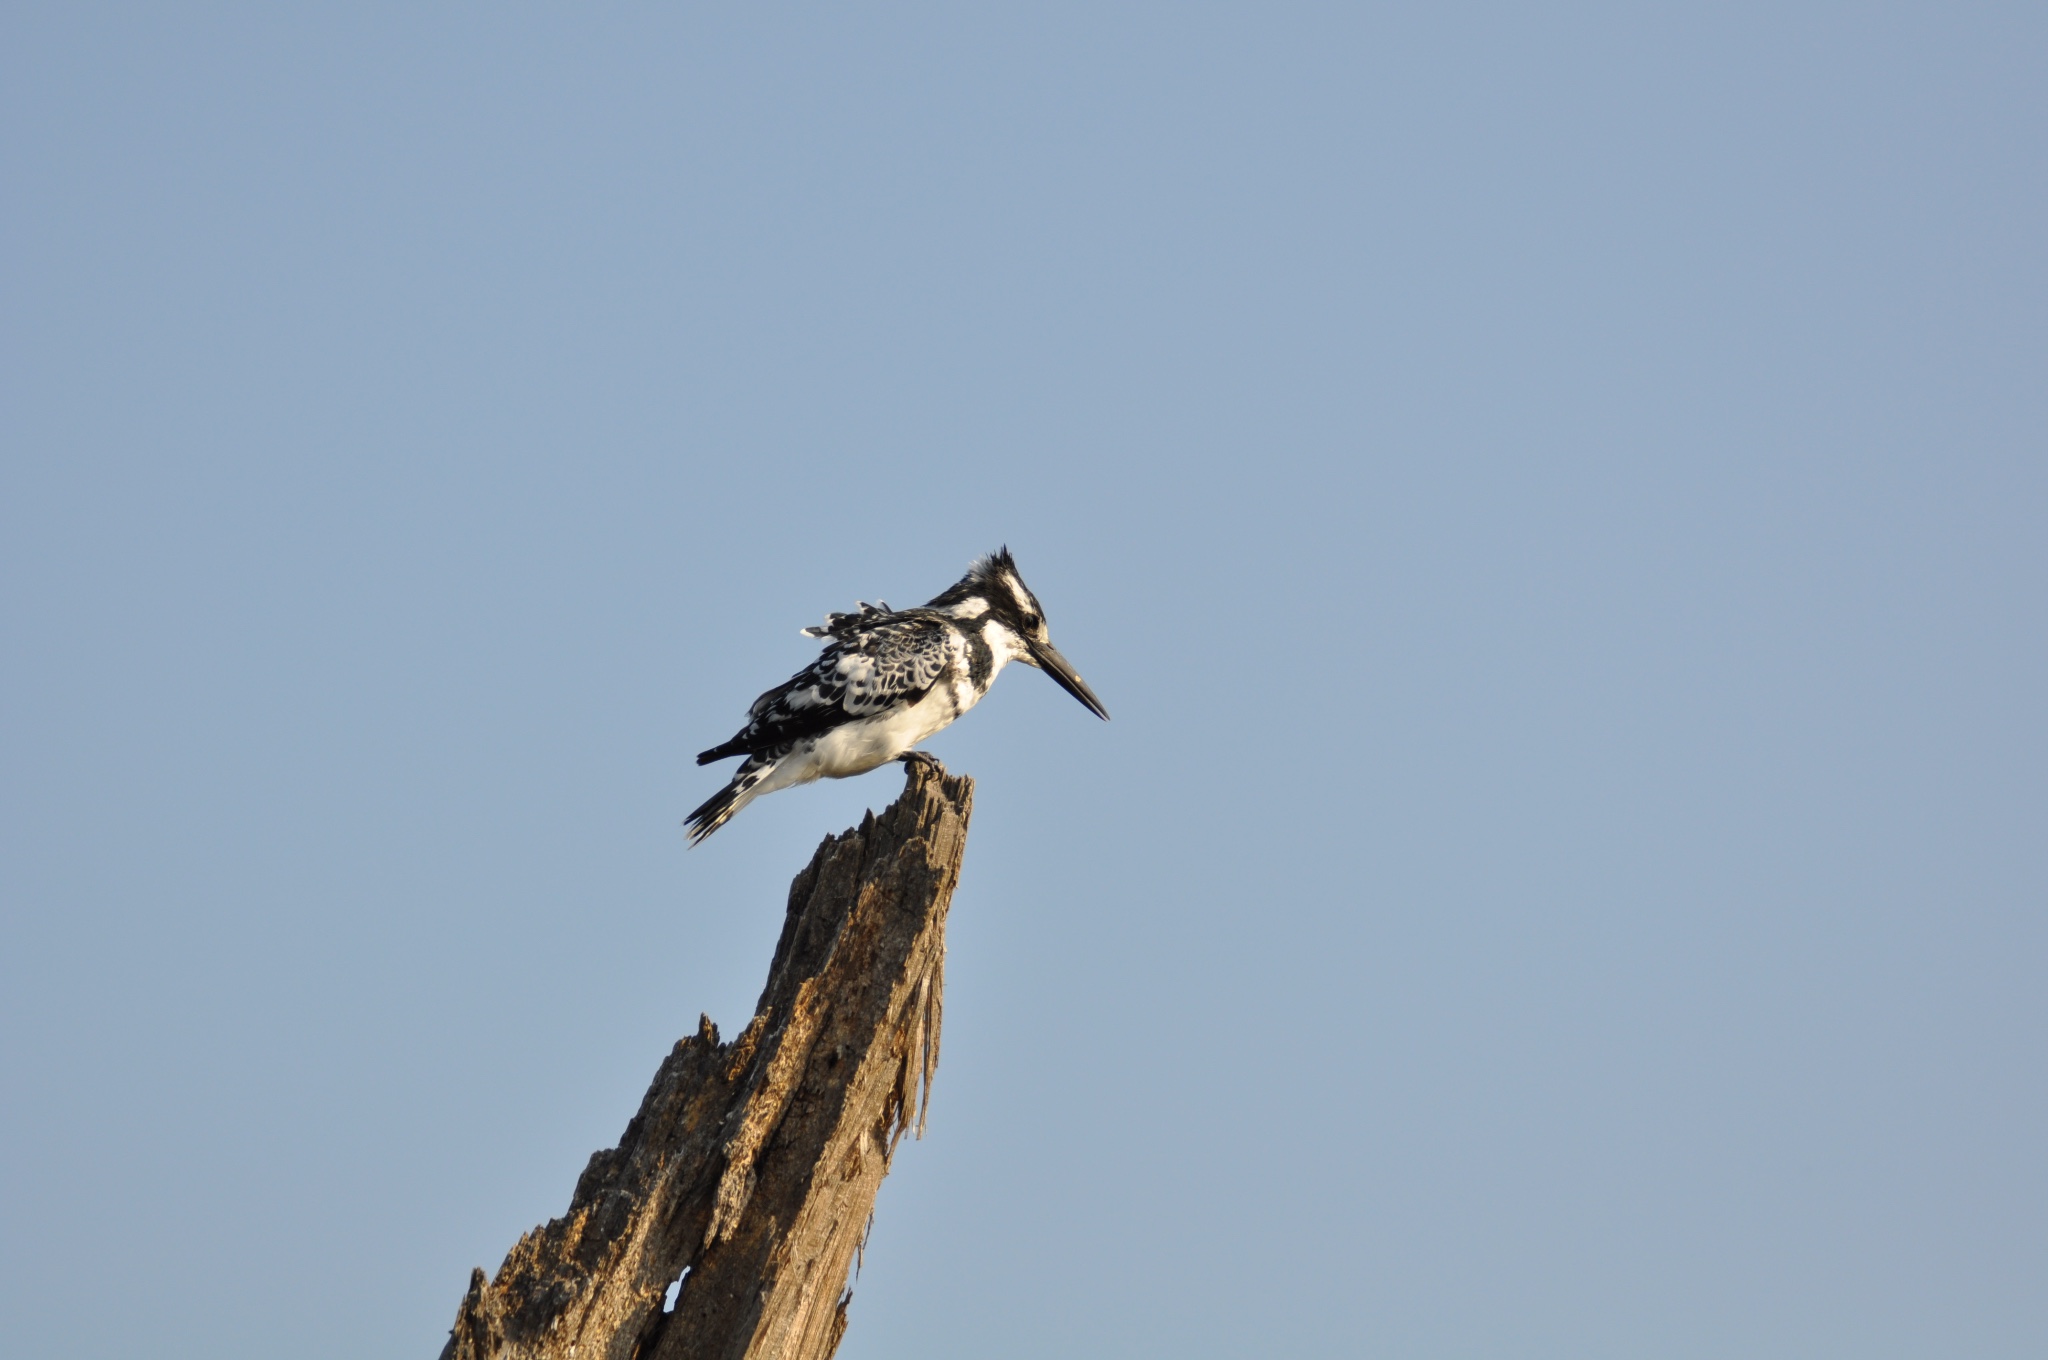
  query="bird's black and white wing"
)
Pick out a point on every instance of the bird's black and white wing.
point(875, 659)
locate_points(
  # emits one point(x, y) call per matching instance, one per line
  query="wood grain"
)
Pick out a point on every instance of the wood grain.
point(751, 1169)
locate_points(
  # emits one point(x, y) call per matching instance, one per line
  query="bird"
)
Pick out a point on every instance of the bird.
point(886, 680)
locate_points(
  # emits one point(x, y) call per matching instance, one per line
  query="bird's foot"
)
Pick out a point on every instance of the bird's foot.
point(923, 760)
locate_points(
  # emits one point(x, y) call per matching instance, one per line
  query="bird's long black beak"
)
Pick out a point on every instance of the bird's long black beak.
point(1052, 663)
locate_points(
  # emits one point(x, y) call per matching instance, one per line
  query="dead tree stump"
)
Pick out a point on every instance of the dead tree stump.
point(751, 1169)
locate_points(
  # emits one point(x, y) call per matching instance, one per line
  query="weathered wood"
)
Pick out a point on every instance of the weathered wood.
point(751, 1169)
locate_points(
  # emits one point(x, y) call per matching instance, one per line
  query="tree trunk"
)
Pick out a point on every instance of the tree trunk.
point(751, 1170)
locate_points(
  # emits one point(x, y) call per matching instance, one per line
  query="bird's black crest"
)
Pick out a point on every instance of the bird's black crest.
point(988, 577)
point(991, 566)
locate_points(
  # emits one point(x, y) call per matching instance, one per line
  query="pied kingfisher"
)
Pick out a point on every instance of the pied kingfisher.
point(886, 680)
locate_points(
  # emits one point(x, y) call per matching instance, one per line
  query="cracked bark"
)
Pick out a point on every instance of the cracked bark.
point(751, 1169)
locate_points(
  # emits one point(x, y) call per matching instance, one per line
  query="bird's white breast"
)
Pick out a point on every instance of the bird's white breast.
point(862, 745)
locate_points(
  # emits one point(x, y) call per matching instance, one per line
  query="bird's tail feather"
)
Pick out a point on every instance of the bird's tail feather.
point(719, 808)
point(735, 747)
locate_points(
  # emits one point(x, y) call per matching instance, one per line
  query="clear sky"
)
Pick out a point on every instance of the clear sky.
point(1555, 498)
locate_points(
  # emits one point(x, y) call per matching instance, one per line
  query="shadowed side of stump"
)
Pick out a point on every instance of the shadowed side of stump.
point(751, 1169)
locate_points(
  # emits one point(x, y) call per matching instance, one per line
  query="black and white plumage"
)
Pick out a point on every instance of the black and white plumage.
point(886, 680)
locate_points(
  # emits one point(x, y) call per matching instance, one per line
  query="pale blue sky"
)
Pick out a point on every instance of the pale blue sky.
point(1554, 499)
